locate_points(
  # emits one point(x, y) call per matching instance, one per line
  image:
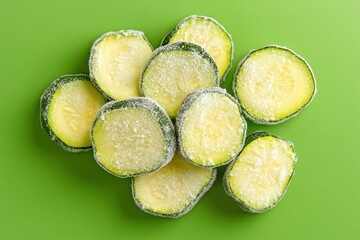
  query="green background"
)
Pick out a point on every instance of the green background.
point(47, 193)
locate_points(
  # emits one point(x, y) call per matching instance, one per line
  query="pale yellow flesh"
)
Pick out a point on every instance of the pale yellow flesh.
point(172, 75)
point(273, 84)
point(210, 36)
point(261, 173)
point(129, 141)
point(213, 130)
point(117, 64)
point(72, 111)
point(172, 188)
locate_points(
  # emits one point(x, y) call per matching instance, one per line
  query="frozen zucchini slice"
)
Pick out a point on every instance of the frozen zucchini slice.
point(176, 70)
point(132, 136)
point(211, 130)
point(67, 110)
point(273, 84)
point(173, 190)
point(209, 34)
point(116, 62)
point(260, 175)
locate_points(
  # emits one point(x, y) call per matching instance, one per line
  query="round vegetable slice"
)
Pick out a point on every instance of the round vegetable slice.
point(209, 34)
point(173, 190)
point(260, 175)
point(176, 70)
point(132, 136)
point(273, 84)
point(116, 62)
point(67, 110)
point(211, 129)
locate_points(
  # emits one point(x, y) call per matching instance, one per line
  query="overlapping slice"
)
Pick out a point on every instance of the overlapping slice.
point(273, 84)
point(260, 175)
point(68, 108)
point(132, 136)
point(173, 190)
point(209, 34)
point(176, 70)
point(211, 130)
point(116, 62)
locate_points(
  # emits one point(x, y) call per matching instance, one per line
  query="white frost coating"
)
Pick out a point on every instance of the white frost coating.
point(116, 61)
point(211, 127)
point(173, 74)
point(209, 34)
point(132, 137)
point(129, 141)
point(261, 173)
point(273, 83)
point(174, 189)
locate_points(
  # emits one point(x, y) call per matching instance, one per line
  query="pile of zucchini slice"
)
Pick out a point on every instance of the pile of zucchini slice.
point(160, 116)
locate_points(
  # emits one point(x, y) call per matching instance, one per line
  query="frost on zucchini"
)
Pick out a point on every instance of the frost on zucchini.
point(132, 136)
point(176, 70)
point(173, 190)
point(67, 110)
point(211, 130)
point(116, 62)
point(273, 84)
point(260, 175)
point(209, 34)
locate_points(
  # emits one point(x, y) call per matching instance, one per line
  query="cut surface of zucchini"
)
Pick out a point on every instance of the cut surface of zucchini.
point(68, 108)
point(211, 130)
point(173, 190)
point(273, 84)
point(176, 70)
point(116, 62)
point(209, 34)
point(132, 136)
point(260, 175)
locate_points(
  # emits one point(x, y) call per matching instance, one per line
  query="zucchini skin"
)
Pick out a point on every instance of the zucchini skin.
point(182, 113)
point(44, 108)
point(226, 184)
point(181, 46)
point(262, 121)
point(170, 35)
point(93, 51)
point(156, 111)
point(185, 210)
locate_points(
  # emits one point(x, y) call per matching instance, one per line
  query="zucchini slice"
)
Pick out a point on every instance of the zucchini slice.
point(116, 62)
point(132, 136)
point(211, 129)
point(209, 34)
point(67, 110)
point(173, 190)
point(260, 175)
point(176, 70)
point(273, 84)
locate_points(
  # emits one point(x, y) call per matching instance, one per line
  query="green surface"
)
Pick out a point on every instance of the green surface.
point(47, 193)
